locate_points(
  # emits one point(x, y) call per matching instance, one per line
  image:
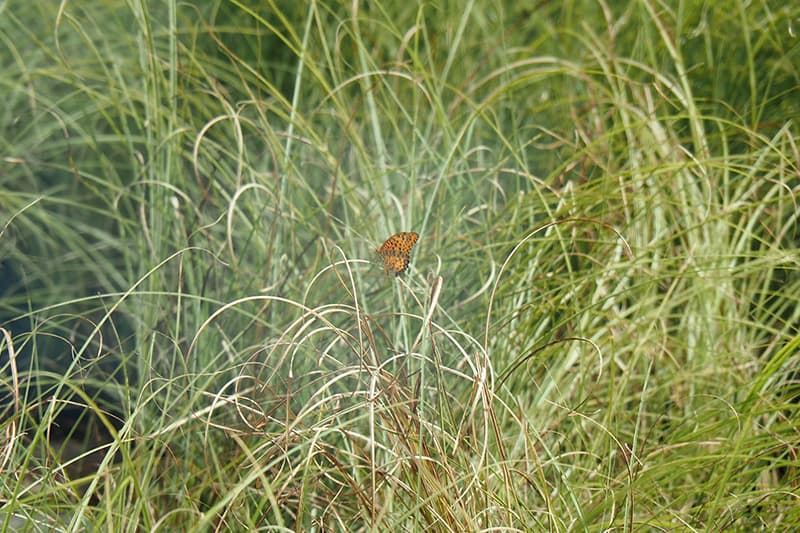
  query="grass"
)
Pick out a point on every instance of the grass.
point(598, 331)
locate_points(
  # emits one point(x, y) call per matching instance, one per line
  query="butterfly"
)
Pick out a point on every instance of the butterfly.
point(396, 252)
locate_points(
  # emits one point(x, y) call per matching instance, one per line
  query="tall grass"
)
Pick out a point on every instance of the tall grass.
point(599, 329)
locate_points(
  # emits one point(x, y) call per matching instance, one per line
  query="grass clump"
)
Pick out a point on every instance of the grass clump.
point(598, 330)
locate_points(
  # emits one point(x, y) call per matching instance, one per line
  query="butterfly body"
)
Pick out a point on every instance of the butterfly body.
point(396, 252)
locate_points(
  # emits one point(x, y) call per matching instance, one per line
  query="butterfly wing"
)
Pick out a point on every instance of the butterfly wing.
point(396, 252)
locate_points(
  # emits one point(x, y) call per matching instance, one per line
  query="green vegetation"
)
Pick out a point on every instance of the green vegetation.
point(599, 331)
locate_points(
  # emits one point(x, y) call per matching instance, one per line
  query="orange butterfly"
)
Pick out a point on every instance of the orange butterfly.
point(396, 252)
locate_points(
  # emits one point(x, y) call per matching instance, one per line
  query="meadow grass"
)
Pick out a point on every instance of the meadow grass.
point(598, 331)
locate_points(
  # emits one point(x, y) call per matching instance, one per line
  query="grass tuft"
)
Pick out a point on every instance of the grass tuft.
point(598, 330)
